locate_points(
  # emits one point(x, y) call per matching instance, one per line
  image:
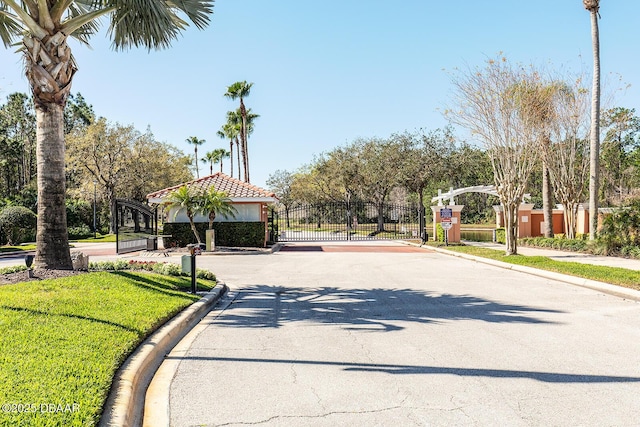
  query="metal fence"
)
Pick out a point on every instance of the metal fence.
point(342, 221)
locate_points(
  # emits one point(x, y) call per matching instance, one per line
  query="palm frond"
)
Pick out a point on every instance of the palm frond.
point(154, 24)
point(10, 27)
point(78, 11)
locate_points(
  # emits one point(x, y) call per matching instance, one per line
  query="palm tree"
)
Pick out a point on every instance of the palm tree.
point(216, 202)
point(220, 154)
point(183, 199)
point(228, 131)
point(44, 27)
point(233, 127)
point(240, 90)
point(593, 7)
point(195, 141)
point(209, 157)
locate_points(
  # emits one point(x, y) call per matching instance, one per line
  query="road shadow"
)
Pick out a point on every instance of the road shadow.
point(546, 377)
point(266, 306)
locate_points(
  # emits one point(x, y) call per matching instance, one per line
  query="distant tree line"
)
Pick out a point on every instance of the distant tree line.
point(411, 166)
point(104, 159)
point(407, 167)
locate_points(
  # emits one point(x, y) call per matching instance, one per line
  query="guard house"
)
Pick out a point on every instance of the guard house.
point(251, 203)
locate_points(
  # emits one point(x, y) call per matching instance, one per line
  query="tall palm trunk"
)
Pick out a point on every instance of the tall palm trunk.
point(243, 137)
point(238, 149)
point(49, 69)
point(547, 213)
point(195, 159)
point(547, 191)
point(52, 214)
point(594, 169)
point(231, 157)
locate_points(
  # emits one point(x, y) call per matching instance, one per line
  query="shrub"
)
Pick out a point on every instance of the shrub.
point(620, 229)
point(501, 235)
point(439, 237)
point(242, 234)
point(81, 232)
point(17, 225)
point(79, 213)
point(166, 269)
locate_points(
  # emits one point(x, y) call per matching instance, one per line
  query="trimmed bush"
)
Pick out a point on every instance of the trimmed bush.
point(501, 235)
point(240, 234)
point(17, 225)
point(164, 268)
point(439, 237)
point(80, 232)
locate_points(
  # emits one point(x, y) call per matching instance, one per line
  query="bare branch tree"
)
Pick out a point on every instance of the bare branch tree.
point(487, 105)
point(567, 156)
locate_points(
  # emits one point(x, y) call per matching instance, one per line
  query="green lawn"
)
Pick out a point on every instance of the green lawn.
point(613, 275)
point(62, 340)
point(22, 247)
point(111, 238)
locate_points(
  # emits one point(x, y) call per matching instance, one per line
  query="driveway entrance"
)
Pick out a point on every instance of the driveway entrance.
point(321, 338)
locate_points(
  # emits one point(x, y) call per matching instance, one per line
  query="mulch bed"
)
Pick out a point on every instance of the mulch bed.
point(38, 274)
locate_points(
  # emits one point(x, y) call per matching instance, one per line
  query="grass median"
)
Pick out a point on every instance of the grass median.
point(613, 275)
point(62, 340)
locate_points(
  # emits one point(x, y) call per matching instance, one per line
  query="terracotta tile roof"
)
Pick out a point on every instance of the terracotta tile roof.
point(221, 182)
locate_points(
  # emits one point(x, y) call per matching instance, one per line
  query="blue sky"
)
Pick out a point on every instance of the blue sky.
point(328, 72)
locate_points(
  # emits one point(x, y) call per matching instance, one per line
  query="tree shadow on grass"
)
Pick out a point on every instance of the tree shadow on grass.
point(72, 316)
point(153, 285)
point(265, 306)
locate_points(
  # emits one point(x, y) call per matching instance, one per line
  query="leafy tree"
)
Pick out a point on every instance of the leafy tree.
point(152, 165)
point(468, 166)
point(379, 171)
point(425, 159)
point(77, 113)
point(593, 7)
point(619, 152)
point(280, 182)
point(17, 144)
point(44, 28)
point(122, 162)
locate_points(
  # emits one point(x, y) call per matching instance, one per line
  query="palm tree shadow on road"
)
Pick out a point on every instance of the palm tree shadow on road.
point(268, 306)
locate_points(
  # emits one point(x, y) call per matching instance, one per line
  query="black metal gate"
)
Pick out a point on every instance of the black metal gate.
point(342, 221)
point(136, 226)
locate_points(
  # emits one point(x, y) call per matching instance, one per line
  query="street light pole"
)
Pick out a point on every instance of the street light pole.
point(94, 209)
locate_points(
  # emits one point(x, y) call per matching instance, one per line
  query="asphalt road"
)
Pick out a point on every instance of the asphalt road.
point(339, 337)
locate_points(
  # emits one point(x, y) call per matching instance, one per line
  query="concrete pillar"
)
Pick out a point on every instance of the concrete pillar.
point(524, 219)
point(454, 232)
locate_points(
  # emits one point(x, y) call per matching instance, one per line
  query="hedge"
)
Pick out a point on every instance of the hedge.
point(17, 225)
point(240, 234)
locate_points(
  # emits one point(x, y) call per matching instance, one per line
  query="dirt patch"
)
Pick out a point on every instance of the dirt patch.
point(38, 274)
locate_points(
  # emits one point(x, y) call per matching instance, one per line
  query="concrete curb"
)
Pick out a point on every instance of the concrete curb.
point(272, 249)
point(606, 288)
point(125, 404)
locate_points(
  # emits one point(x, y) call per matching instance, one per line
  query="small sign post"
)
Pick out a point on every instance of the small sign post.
point(445, 222)
point(194, 250)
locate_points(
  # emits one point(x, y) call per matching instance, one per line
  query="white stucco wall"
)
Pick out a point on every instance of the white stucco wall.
point(246, 212)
